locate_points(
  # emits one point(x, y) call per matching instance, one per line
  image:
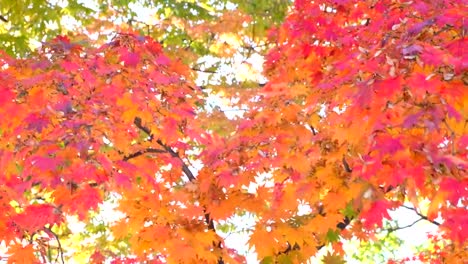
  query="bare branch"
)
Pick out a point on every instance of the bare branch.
point(421, 215)
point(346, 165)
point(403, 227)
point(141, 152)
point(313, 130)
point(60, 249)
point(452, 136)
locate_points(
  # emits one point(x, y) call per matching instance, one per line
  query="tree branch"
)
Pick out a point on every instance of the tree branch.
point(403, 227)
point(141, 152)
point(174, 154)
point(346, 165)
point(138, 124)
point(421, 215)
point(208, 220)
point(452, 136)
point(166, 148)
point(2, 18)
point(60, 249)
point(205, 71)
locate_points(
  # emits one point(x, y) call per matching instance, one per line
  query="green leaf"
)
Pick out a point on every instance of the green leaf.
point(284, 259)
point(267, 260)
point(349, 211)
point(333, 236)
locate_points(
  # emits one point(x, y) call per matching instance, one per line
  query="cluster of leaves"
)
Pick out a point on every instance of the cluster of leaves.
point(366, 105)
point(89, 123)
point(365, 109)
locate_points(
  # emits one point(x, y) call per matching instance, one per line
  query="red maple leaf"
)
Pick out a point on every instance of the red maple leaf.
point(375, 214)
point(36, 217)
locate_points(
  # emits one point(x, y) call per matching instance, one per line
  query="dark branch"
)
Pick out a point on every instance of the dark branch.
point(403, 227)
point(141, 152)
point(167, 149)
point(346, 165)
point(2, 18)
point(421, 215)
point(60, 249)
point(138, 124)
point(289, 248)
point(185, 168)
point(174, 154)
point(313, 130)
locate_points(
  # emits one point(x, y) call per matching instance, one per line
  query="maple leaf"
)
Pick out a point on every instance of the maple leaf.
point(332, 259)
point(162, 60)
point(78, 201)
point(97, 257)
point(36, 217)
point(374, 215)
point(456, 225)
point(6, 96)
point(22, 254)
point(454, 189)
point(36, 122)
point(129, 58)
point(46, 163)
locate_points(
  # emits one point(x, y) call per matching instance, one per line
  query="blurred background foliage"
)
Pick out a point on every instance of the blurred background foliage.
point(197, 28)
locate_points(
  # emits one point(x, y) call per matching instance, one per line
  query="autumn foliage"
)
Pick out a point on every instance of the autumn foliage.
point(365, 109)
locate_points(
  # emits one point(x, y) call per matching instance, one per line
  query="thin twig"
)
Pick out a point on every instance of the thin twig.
point(2, 18)
point(421, 215)
point(205, 71)
point(60, 249)
point(314, 132)
point(346, 165)
point(403, 227)
point(452, 136)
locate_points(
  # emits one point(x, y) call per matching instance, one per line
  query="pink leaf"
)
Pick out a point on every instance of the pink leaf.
point(163, 60)
point(376, 212)
point(36, 217)
point(36, 122)
point(45, 163)
point(130, 58)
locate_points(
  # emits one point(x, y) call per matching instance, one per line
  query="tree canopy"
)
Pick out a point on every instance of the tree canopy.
point(363, 109)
